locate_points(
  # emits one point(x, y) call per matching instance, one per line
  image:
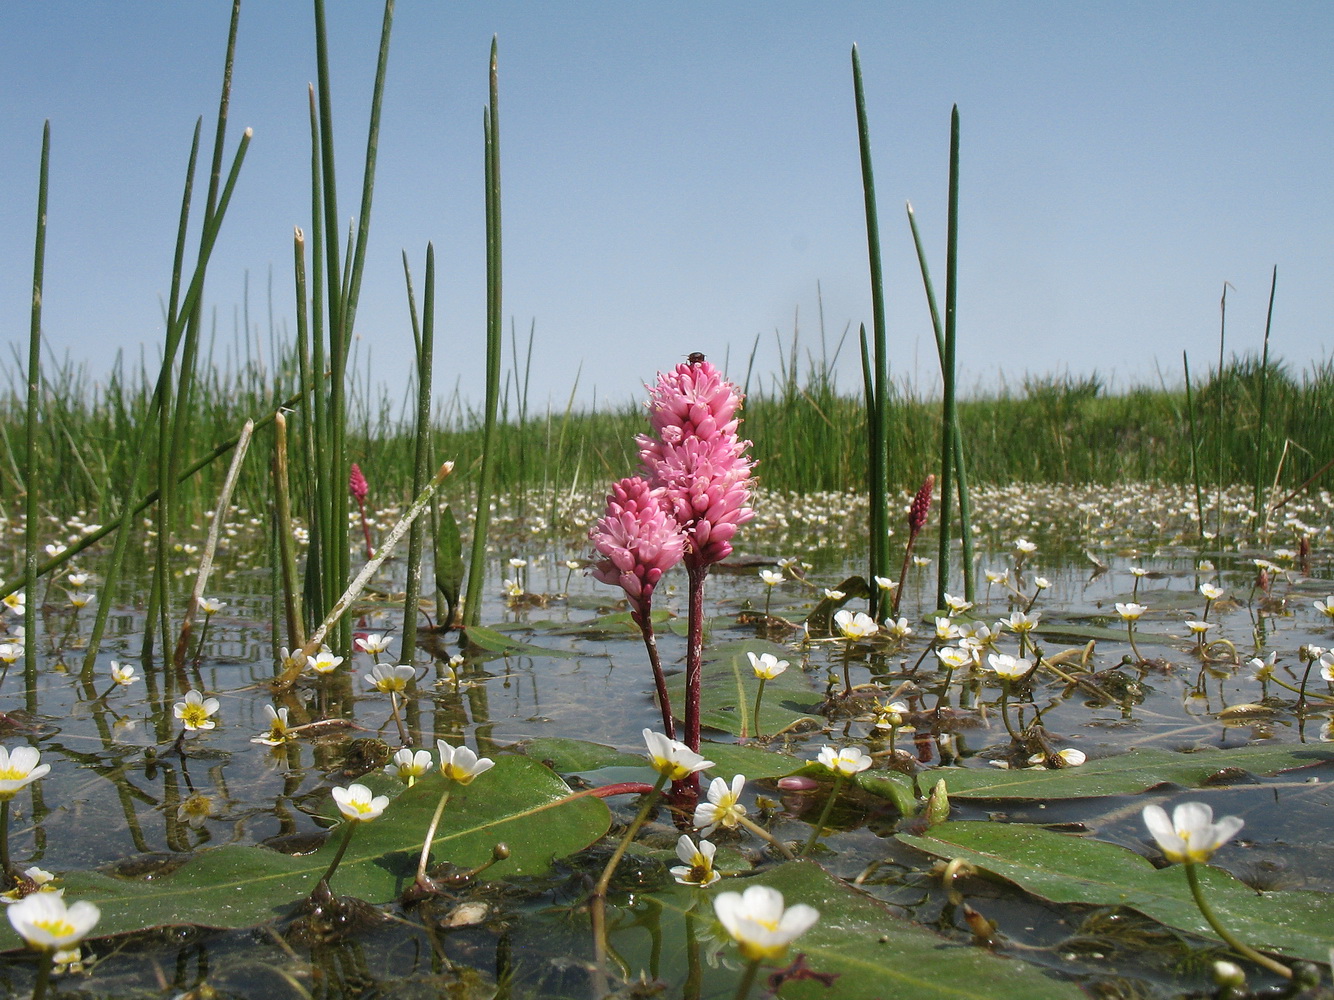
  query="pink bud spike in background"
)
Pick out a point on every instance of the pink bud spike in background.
point(639, 540)
point(359, 488)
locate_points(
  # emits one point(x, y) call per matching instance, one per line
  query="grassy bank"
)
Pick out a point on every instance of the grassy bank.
point(807, 431)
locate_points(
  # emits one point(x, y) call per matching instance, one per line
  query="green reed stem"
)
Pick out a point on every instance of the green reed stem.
point(1262, 424)
point(1231, 940)
point(208, 238)
point(824, 815)
point(1218, 421)
point(6, 869)
point(950, 414)
point(472, 603)
point(417, 536)
point(877, 419)
point(291, 595)
point(34, 393)
point(44, 965)
point(960, 467)
point(1194, 449)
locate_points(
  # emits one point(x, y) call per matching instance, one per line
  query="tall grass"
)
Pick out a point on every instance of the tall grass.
point(809, 434)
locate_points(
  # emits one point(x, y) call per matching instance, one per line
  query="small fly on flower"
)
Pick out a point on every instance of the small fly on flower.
point(695, 358)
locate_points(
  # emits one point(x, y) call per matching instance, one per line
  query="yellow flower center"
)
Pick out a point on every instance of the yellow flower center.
point(193, 716)
point(12, 774)
point(56, 928)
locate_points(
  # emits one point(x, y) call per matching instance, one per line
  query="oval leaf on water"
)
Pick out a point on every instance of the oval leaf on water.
point(519, 802)
point(1069, 869)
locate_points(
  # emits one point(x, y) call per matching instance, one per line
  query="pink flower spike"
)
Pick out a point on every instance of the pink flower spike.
point(698, 462)
point(638, 539)
point(357, 485)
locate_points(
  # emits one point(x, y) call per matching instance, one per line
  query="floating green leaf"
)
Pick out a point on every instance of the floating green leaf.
point(493, 642)
point(873, 952)
point(1069, 869)
point(1121, 775)
point(519, 802)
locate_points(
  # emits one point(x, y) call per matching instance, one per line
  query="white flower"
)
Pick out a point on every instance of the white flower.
point(847, 762)
point(921, 561)
point(15, 601)
point(1326, 663)
point(79, 599)
point(833, 595)
point(1191, 834)
point(946, 630)
point(10, 652)
point(1008, 667)
point(997, 577)
point(409, 765)
point(758, 922)
point(723, 807)
point(389, 678)
point(511, 588)
point(766, 665)
point(293, 660)
point(1138, 571)
point(890, 716)
point(1024, 547)
point(518, 563)
point(123, 674)
point(1069, 757)
point(886, 584)
point(1041, 582)
point(195, 810)
point(953, 657)
point(1131, 612)
point(196, 711)
point(44, 920)
point(957, 605)
point(278, 733)
point(324, 662)
point(374, 643)
point(1264, 669)
point(77, 580)
point(771, 578)
point(672, 758)
point(1020, 622)
point(1210, 592)
point(698, 867)
point(1199, 628)
point(211, 605)
point(460, 763)
point(1326, 607)
point(898, 628)
point(358, 803)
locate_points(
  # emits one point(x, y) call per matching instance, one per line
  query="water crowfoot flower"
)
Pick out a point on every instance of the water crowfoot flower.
point(391, 679)
point(698, 868)
point(19, 768)
point(724, 809)
point(50, 925)
point(409, 765)
point(358, 804)
point(196, 712)
point(459, 766)
point(845, 764)
point(279, 732)
point(766, 667)
point(1191, 836)
point(761, 926)
point(1131, 613)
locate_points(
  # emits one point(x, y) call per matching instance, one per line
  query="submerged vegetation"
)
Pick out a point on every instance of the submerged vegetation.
point(960, 793)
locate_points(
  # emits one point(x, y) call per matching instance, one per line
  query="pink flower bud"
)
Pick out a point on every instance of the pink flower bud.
point(921, 505)
point(639, 539)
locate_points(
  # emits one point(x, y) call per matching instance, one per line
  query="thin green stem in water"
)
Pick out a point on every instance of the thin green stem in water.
point(747, 980)
point(759, 695)
point(1242, 949)
point(824, 816)
point(430, 834)
point(342, 849)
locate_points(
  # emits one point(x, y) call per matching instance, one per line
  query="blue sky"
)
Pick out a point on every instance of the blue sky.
point(678, 177)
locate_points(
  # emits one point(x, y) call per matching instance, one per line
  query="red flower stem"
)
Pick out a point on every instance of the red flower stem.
point(645, 623)
point(365, 529)
point(694, 657)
